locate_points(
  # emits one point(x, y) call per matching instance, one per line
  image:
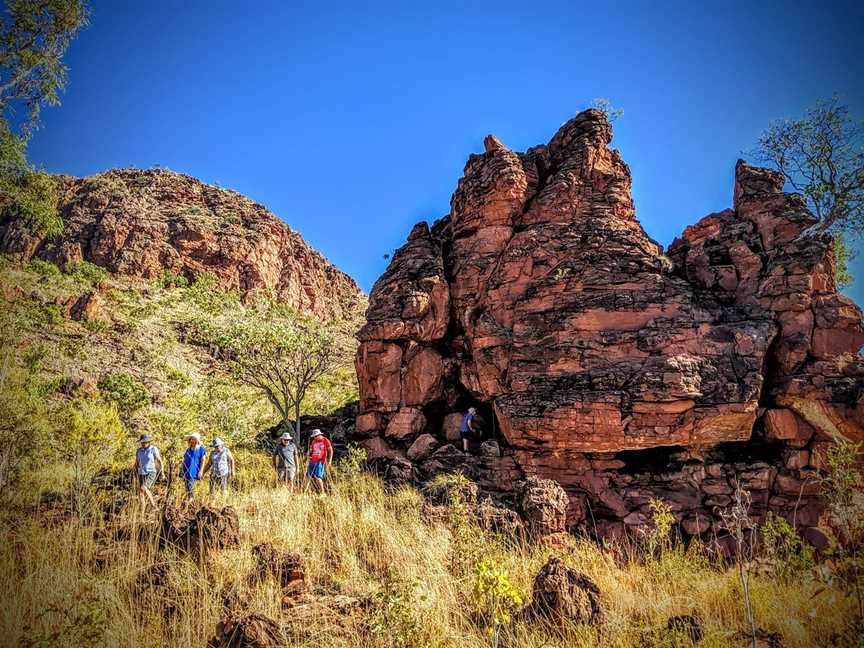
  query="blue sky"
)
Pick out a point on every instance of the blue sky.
point(352, 121)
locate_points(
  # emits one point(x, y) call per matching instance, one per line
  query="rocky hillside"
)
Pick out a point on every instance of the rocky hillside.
point(148, 223)
point(599, 361)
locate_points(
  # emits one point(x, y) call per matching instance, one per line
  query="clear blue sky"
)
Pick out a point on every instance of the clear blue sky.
point(352, 121)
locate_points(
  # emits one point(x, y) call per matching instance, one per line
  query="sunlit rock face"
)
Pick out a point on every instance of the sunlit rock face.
point(598, 361)
point(143, 223)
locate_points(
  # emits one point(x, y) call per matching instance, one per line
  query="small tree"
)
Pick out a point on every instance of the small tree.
point(34, 35)
point(736, 519)
point(33, 38)
point(821, 156)
point(842, 484)
point(279, 353)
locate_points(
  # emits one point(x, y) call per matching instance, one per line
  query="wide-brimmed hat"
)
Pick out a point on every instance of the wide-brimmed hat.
point(194, 435)
point(472, 410)
point(217, 442)
point(285, 437)
point(144, 438)
point(315, 432)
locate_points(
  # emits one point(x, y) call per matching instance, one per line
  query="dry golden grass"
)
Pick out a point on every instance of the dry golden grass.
point(61, 585)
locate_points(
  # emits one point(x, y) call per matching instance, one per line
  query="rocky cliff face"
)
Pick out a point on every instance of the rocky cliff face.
point(141, 223)
point(600, 362)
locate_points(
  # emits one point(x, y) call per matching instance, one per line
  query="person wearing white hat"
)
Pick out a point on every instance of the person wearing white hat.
point(320, 455)
point(220, 462)
point(285, 460)
point(148, 467)
point(193, 462)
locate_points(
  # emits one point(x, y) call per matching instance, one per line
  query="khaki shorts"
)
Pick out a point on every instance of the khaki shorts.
point(148, 480)
point(286, 474)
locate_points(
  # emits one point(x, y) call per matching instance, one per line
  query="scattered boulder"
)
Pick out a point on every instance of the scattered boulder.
point(563, 595)
point(688, 625)
point(200, 529)
point(423, 446)
point(90, 307)
point(252, 631)
point(543, 505)
point(286, 567)
point(499, 519)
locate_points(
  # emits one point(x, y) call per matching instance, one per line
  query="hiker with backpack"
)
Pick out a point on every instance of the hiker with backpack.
point(220, 463)
point(285, 460)
point(193, 463)
point(148, 467)
point(320, 456)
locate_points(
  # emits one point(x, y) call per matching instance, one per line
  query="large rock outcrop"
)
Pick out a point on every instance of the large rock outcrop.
point(602, 363)
point(142, 223)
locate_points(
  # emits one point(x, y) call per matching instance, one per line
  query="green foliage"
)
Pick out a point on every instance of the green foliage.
point(33, 39)
point(50, 314)
point(395, 618)
point(605, 106)
point(842, 257)
point(43, 268)
point(92, 438)
point(86, 272)
point(353, 462)
point(24, 422)
point(659, 536)
point(125, 391)
point(494, 598)
point(792, 556)
point(274, 350)
point(821, 155)
point(30, 195)
point(562, 273)
point(206, 294)
point(171, 279)
point(843, 489)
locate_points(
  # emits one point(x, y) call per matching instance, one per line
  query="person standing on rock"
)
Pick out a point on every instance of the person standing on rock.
point(148, 467)
point(285, 460)
point(466, 431)
point(220, 463)
point(193, 463)
point(320, 456)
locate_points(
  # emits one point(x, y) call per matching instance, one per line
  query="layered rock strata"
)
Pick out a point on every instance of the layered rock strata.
point(600, 362)
point(144, 223)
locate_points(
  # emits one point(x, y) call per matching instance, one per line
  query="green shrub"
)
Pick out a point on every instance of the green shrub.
point(87, 272)
point(494, 598)
point(124, 390)
point(43, 268)
point(51, 314)
point(792, 556)
point(171, 279)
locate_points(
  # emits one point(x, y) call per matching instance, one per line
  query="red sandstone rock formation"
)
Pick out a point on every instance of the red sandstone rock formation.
point(141, 223)
point(601, 363)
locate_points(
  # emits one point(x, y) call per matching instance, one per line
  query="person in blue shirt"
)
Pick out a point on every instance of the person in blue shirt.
point(193, 463)
point(148, 467)
point(466, 431)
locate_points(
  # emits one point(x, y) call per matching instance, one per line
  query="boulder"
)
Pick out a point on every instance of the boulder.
point(286, 567)
point(252, 631)
point(543, 505)
point(423, 446)
point(200, 528)
point(405, 424)
point(562, 595)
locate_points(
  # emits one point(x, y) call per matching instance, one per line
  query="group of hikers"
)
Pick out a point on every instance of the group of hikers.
point(219, 462)
point(221, 466)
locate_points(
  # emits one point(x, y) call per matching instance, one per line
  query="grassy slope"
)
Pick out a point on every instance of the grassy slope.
point(361, 541)
point(61, 585)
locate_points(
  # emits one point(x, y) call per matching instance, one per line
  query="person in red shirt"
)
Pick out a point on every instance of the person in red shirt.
point(320, 456)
